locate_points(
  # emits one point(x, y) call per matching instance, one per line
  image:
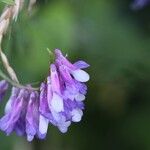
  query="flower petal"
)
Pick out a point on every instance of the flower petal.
point(80, 97)
point(63, 127)
point(76, 115)
point(30, 137)
point(32, 116)
point(55, 79)
point(57, 103)
point(43, 125)
point(81, 64)
point(13, 96)
point(80, 75)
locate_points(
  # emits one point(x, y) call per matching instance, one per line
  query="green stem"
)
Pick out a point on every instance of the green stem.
point(15, 83)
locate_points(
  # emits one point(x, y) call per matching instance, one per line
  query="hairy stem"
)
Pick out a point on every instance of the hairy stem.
point(15, 83)
point(10, 13)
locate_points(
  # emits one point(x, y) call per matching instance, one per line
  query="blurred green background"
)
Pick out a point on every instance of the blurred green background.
point(115, 41)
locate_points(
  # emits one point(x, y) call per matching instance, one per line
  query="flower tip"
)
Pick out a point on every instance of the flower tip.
point(57, 103)
point(76, 115)
point(81, 75)
point(53, 67)
point(30, 138)
point(43, 126)
point(57, 52)
point(81, 64)
point(63, 128)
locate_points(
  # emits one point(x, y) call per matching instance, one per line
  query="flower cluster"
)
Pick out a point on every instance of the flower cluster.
point(22, 114)
point(61, 98)
point(59, 102)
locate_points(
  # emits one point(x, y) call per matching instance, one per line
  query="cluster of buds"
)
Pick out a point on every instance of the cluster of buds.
point(58, 102)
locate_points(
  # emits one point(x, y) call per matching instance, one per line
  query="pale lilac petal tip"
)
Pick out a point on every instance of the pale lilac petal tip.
point(80, 75)
point(81, 64)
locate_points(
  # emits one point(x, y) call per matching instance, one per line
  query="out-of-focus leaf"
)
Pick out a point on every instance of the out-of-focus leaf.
point(9, 2)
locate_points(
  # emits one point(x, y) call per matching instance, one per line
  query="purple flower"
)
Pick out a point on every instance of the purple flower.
point(22, 114)
point(51, 102)
point(61, 100)
point(73, 77)
point(32, 116)
point(74, 69)
point(3, 88)
point(14, 108)
point(138, 4)
point(44, 110)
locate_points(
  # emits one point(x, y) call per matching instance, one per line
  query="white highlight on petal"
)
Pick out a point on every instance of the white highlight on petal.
point(57, 103)
point(64, 127)
point(8, 106)
point(55, 115)
point(76, 115)
point(30, 137)
point(80, 97)
point(49, 92)
point(43, 124)
point(63, 124)
point(80, 75)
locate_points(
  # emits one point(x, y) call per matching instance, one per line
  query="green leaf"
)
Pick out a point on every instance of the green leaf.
point(9, 2)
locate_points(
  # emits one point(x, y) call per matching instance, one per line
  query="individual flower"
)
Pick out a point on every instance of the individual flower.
point(14, 113)
point(139, 4)
point(44, 110)
point(3, 88)
point(32, 116)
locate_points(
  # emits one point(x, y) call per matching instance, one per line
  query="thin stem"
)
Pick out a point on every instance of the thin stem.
point(15, 83)
point(10, 13)
point(7, 66)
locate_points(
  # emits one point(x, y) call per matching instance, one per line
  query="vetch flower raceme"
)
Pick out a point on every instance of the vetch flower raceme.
point(22, 114)
point(61, 100)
